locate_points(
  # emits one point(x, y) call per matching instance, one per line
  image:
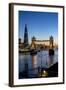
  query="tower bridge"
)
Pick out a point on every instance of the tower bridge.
point(42, 43)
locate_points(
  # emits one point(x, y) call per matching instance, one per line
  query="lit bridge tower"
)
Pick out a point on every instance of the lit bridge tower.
point(33, 45)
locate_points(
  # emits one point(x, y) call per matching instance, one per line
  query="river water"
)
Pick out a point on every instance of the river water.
point(41, 59)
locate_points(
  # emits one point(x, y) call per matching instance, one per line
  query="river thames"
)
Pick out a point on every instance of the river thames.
point(31, 63)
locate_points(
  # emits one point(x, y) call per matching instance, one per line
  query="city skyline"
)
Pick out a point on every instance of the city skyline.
point(39, 24)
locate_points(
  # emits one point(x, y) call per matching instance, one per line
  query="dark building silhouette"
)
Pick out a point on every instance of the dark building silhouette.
point(26, 36)
point(19, 40)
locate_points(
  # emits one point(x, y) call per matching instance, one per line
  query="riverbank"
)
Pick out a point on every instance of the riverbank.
point(41, 72)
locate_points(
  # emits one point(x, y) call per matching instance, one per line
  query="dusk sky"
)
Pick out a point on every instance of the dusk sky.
point(39, 24)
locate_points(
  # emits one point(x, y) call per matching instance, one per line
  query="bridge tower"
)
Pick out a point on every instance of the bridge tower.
point(51, 42)
point(33, 45)
point(51, 50)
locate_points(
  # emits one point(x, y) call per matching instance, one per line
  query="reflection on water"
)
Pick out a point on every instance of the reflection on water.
point(34, 61)
point(28, 63)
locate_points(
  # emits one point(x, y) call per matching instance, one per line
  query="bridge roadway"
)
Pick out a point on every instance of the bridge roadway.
point(34, 51)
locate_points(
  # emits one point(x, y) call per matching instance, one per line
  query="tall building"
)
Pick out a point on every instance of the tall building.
point(26, 36)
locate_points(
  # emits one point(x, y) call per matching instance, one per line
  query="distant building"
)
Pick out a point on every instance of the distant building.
point(21, 45)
